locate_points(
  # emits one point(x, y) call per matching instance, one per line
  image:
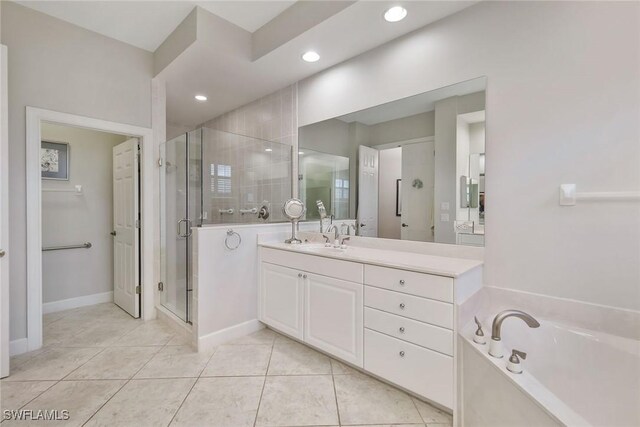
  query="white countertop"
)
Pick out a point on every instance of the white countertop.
point(423, 263)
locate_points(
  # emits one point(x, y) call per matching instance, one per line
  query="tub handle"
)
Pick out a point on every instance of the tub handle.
point(516, 355)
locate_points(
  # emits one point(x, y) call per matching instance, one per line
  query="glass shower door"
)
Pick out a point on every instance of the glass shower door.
point(180, 210)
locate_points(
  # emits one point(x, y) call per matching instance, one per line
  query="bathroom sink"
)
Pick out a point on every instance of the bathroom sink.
point(320, 248)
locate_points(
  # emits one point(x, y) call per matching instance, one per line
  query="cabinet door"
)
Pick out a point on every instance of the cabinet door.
point(334, 317)
point(282, 299)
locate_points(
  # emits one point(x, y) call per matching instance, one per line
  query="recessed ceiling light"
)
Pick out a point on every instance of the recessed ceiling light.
point(301, 152)
point(310, 56)
point(395, 14)
point(201, 98)
point(268, 150)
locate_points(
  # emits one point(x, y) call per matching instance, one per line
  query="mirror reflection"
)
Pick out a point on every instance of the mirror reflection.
point(411, 169)
point(324, 177)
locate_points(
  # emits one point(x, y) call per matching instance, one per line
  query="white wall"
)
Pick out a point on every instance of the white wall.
point(226, 291)
point(69, 219)
point(562, 106)
point(61, 67)
point(390, 162)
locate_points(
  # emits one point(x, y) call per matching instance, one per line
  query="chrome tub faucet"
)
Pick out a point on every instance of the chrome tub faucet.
point(495, 348)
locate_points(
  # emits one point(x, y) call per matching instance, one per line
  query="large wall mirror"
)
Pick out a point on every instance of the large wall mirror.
point(411, 169)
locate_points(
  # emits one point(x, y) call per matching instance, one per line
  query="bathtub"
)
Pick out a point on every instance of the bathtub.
point(571, 376)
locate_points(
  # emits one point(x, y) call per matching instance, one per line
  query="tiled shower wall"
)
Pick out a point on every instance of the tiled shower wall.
point(257, 175)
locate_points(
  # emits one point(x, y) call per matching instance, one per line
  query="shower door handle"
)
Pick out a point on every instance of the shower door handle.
point(188, 231)
point(180, 228)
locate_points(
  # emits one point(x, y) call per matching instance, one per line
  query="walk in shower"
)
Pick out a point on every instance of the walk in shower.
point(210, 177)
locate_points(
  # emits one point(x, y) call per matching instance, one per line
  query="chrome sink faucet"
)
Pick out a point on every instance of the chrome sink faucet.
point(335, 230)
point(495, 348)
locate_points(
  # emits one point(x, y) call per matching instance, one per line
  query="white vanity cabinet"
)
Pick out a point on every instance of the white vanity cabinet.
point(282, 298)
point(316, 300)
point(333, 317)
point(396, 323)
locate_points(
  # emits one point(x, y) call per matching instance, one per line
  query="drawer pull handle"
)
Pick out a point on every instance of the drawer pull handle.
point(304, 276)
point(402, 306)
point(402, 353)
point(401, 329)
point(401, 282)
point(299, 274)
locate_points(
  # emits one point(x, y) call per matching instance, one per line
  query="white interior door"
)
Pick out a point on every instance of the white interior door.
point(368, 191)
point(126, 289)
point(4, 218)
point(418, 177)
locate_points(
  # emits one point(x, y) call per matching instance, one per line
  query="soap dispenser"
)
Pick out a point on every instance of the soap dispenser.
point(479, 337)
point(514, 365)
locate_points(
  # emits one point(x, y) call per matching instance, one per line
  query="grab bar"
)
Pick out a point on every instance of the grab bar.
point(85, 245)
point(569, 195)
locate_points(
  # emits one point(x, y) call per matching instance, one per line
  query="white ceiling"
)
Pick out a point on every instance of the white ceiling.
point(146, 24)
point(249, 15)
point(230, 79)
point(221, 68)
point(417, 104)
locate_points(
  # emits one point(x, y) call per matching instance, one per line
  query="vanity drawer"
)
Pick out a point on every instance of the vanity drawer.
point(422, 309)
point(345, 270)
point(423, 334)
point(422, 371)
point(410, 282)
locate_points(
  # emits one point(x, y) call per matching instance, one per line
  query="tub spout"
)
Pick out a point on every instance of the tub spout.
point(496, 346)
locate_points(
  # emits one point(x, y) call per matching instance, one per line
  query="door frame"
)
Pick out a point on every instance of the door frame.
point(34, 119)
point(4, 215)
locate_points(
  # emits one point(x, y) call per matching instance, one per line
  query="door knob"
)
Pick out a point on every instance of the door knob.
point(2, 253)
point(113, 233)
point(362, 225)
point(405, 225)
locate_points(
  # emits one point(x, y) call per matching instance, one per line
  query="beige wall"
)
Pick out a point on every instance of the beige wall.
point(68, 219)
point(61, 67)
point(562, 107)
point(403, 129)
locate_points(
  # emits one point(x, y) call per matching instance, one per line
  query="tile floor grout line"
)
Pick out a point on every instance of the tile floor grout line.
point(335, 392)
point(192, 385)
point(81, 365)
point(125, 383)
point(264, 383)
point(39, 394)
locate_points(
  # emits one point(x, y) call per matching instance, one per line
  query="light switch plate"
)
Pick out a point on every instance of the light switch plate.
point(444, 206)
point(444, 217)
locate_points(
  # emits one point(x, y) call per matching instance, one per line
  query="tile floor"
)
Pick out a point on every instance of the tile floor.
point(108, 369)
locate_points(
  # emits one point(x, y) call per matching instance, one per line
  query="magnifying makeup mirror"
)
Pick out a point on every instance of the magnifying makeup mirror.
point(293, 210)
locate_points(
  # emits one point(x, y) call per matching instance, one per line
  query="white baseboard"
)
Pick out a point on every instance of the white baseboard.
point(18, 346)
point(213, 339)
point(66, 304)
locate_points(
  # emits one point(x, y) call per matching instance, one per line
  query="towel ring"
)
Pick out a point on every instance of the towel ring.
point(230, 233)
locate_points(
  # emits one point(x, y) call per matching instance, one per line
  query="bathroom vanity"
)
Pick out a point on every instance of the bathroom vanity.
point(391, 313)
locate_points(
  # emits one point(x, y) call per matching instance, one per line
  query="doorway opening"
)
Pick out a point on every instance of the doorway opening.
point(90, 219)
point(138, 174)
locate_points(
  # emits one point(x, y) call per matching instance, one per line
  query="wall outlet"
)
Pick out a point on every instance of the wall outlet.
point(444, 217)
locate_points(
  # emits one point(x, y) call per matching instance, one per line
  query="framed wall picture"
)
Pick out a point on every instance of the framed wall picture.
point(398, 197)
point(54, 160)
